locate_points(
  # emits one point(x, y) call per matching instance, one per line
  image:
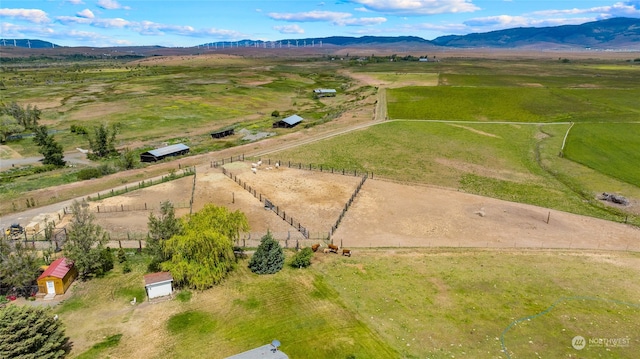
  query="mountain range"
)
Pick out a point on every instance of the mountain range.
point(616, 34)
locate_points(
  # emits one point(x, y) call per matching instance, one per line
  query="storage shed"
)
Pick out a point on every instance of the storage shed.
point(324, 92)
point(269, 351)
point(164, 152)
point(222, 133)
point(288, 122)
point(158, 284)
point(57, 278)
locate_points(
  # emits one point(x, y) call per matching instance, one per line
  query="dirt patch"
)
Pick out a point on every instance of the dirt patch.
point(480, 170)
point(385, 214)
point(476, 131)
point(7, 152)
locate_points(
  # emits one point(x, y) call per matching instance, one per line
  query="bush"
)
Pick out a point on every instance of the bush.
point(126, 268)
point(268, 258)
point(89, 173)
point(122, 256)
point(302, 259)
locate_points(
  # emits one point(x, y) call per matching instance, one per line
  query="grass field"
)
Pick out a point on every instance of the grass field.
point(379, 303)
point(613, 149)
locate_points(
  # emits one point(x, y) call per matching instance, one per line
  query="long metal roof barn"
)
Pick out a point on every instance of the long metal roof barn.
point(288, 122)
point(163, 152)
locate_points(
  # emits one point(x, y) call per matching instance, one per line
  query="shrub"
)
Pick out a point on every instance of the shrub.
point(268, 258)
point(302, 259)
point(89, 173)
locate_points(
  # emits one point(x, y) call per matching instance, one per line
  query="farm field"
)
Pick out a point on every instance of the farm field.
point(383, 303)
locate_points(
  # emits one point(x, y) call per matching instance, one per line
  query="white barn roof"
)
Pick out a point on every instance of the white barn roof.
point(163, 151)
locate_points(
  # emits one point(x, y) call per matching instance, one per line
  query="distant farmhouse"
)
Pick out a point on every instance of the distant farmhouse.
point(324, 92)
point(164, 152)
point(288, 122)
point(222, 133)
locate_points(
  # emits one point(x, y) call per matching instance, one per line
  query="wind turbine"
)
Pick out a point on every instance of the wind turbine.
point(4, 42)
point(313, 43)
point(29, 43)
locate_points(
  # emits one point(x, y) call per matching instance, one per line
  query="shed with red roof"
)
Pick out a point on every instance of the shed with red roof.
point(58, 276)
point(158, 284)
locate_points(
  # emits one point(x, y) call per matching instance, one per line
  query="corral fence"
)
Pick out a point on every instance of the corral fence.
point(132, 207)
point(317, 168)
point(268, 204)
point(348, 204)
point(43, 239)
point(173, 175)
point(222, 162)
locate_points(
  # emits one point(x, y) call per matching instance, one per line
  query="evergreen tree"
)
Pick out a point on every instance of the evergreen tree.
point(102, 143)
point(201, 255)
point(48, 147)
point(85, 242)
point(268, 258)
point(28, 332)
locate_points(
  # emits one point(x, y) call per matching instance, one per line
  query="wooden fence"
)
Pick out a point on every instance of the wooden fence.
point(348, 204)
point(269, 204)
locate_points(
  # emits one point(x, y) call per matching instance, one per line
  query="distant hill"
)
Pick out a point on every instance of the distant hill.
point(618, 33)
point(28, 43)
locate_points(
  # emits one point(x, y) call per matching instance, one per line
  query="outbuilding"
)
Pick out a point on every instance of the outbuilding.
point(269, 351)
point(158, 284)
point(324, 92)
point(223, 133)
point(164, 152)
point(288, 122)
point(57, 278)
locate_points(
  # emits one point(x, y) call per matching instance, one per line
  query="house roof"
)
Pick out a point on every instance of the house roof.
point(263, 352)
point(163, 151)
point(157, 277)
point(58, 269)
point(292, 120)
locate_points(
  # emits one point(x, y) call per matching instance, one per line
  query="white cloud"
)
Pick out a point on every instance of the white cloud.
point(336, 18)
point(418, 7)
point(111, 5)
point(629, 8)
point(289, 29)
point(75, 2)
point(35, 16)
point(86, 13)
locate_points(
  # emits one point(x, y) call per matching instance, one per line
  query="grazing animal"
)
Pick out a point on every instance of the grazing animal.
point(259, 163)
point(333, 248)
point(277, 165)
point(326, 250)
point(254, 170)
point(254, 165)
point(315, 247)
point(346, 252)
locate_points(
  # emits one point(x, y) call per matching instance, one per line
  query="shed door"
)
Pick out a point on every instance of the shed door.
point(51, 288)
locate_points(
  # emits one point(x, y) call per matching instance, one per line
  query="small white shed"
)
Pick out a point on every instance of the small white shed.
point(158, 284)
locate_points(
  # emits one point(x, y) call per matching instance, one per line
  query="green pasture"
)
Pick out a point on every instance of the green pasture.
point(519, 104)
point(382, 303)
point(609, 148)
point(496, 160)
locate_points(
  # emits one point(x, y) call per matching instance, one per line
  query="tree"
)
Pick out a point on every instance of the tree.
point(161, 228)
point(302, 259)
point(19, 269)
point(48, 147)
point(85, 242)
point(8, 126)
point(201, 255)
point(102, 143)
point(268, 258)
point(128, 159)
point(27, 117)
point(28, 332)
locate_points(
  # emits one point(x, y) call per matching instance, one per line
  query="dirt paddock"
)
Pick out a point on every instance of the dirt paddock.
point(385, 214)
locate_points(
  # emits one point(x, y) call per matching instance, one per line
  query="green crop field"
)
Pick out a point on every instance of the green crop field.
point(376, 304)
point(612, 148)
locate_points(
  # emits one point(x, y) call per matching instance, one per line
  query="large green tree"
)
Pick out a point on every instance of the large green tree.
point(48, 147)
point(85, 244)
point(103, 141)
point(18, 268)
point(28, 332)
point(27, 117)
point(8, 126)
point(268, 258)
point(202, 254)
point(161, 228)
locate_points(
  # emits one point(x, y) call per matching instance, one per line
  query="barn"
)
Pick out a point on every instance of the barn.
point(158, 284)
point(288, 122)
point(164, 152)
point(324, 92)
point(223, 133)
point(57, 278)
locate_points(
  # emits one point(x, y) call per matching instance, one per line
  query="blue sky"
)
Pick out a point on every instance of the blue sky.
point(189, 23)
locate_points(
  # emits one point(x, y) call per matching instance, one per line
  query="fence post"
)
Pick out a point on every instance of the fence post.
point(98, 209)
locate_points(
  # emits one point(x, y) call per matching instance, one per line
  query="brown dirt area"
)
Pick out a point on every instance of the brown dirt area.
point(385, 214)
